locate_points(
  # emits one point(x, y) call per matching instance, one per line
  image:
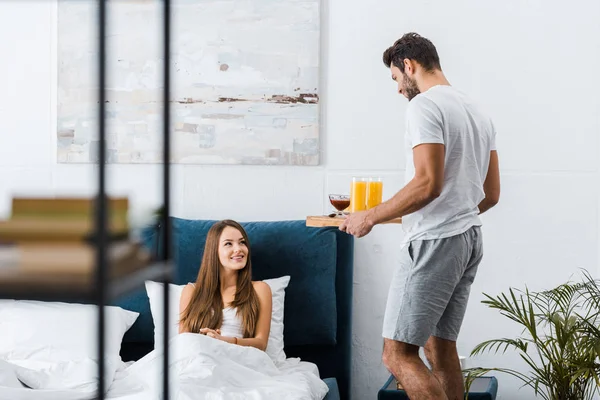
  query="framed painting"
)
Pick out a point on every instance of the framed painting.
point(245, 82)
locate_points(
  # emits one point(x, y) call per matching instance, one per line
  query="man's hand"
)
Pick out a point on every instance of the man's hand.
point(357, 223)
point(491, 186)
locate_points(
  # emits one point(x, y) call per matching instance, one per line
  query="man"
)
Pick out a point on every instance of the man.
point(452, 176)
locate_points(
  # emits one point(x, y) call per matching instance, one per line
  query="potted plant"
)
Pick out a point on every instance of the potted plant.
point(560, 341)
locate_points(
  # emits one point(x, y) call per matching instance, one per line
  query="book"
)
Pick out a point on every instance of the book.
point(28, 207)
point(58, 230)
point(62, 219)
point(71, 258)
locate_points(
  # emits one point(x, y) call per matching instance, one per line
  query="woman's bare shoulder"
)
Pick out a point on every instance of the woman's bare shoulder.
point(262, 288)
point(189, 288)
point(186, 294)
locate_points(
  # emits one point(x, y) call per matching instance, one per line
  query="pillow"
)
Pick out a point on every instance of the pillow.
point(80, 376)
point(154, 290)
point(275, 342)
point(55, 332)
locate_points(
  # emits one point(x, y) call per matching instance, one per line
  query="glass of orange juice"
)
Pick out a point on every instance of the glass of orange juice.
point(374, 192)
point(358, 194)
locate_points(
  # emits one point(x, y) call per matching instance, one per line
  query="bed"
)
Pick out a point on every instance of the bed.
point(48, 350)
point(318, 298)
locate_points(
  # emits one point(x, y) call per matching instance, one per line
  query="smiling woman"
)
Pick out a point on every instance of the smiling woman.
point(225, 303)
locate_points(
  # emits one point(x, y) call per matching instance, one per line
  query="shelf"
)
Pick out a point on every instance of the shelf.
point(80, 288)
point(320, 221)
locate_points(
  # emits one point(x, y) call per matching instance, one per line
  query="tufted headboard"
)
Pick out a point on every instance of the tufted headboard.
point(318, 299)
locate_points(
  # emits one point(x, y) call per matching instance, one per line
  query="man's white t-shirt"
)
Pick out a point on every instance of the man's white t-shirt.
point(445, 115)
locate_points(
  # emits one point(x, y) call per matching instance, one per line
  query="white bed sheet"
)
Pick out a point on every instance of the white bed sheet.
point(127, 387)
point(200, 368)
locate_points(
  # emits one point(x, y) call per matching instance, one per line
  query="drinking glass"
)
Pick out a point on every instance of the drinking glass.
point(358, 194)
point(340, 202)
point(374, 192)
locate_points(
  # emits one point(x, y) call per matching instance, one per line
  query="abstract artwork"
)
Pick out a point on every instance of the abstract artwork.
point(245, 82)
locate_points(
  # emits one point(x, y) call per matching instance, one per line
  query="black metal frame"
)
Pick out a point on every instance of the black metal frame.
point(166, 185)
point(102, 240)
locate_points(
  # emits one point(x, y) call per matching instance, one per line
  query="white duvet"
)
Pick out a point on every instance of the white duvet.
point(201, 368)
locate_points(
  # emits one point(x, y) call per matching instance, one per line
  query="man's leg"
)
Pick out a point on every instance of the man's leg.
point(423, 301)
point(445, 364)
point(440, 349)
point(403, 361)
point(419, 292)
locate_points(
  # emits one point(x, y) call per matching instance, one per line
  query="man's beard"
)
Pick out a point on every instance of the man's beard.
point(410, 87)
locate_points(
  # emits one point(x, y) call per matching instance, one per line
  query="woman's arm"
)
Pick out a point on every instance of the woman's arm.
point(186, 296)
point(263, 326)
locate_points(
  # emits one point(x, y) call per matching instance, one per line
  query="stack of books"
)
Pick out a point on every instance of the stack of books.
point(58, 236)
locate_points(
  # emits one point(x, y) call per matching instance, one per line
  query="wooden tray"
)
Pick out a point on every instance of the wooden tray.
point(320, 221)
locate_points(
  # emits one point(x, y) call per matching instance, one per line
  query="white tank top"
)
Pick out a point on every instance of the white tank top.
point(232, 323)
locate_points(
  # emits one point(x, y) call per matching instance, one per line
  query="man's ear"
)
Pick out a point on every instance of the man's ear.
point(409, 67)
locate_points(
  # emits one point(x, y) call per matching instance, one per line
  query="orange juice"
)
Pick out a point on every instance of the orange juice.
point(374, 192)
point(358, 195)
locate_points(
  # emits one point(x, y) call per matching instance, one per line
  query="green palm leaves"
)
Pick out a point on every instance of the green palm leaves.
point(560, 341)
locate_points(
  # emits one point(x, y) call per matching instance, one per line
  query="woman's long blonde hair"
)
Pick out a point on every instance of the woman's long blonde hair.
point(205, 309)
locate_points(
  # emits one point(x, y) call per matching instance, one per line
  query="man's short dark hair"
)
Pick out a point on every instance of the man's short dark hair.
point(414, 47)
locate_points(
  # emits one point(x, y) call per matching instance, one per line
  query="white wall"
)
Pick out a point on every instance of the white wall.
point(533, 64)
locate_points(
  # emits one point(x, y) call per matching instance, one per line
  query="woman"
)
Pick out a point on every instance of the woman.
point(225, 303)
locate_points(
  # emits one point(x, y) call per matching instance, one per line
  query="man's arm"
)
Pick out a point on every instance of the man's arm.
point(491, 186)
point(426, 185)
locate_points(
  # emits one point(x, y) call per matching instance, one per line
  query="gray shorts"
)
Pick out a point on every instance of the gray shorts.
point(430, 289)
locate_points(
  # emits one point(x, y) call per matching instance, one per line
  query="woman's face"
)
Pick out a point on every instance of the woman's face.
point(233, 252)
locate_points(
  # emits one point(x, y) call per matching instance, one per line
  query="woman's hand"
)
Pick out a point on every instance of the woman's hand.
point(216, 334)
point(213, 333)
